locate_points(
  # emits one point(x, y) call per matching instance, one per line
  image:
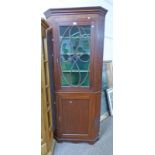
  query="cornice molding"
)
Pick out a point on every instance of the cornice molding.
point(77, 10)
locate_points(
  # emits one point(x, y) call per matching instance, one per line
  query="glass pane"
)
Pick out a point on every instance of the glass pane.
point(75, 55)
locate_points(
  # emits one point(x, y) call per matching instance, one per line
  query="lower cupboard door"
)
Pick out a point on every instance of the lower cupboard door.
point(75, 117)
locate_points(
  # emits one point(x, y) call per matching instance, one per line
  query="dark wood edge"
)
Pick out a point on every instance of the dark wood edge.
point(77, 10)
point(50, 65)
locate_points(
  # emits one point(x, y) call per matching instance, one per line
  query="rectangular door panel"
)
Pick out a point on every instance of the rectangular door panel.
point(75, 116)
point(75, 112)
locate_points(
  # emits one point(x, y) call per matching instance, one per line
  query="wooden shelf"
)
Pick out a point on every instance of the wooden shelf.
point(76, 71)
point(75, 37)
point(77, 53)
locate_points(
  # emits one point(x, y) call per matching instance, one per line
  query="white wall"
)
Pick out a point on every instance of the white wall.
point(107, 4)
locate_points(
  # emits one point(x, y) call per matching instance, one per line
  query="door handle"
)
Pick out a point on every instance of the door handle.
point(70, 101)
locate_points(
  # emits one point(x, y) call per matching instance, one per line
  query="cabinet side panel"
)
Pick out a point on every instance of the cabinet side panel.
point(98, 58)
point(96, 116)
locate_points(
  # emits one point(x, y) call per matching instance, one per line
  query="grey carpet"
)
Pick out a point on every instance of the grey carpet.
point(104, 146)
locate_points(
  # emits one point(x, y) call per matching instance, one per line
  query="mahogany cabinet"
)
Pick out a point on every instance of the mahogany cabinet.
point(77, 45)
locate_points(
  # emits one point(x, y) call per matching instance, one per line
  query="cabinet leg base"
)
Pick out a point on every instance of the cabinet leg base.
point(59, 141)
point(91, 142)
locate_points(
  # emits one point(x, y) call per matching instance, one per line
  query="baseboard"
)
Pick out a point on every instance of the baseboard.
point(104, 116)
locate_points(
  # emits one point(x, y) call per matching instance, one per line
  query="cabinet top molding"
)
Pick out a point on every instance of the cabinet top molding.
point(77, 10)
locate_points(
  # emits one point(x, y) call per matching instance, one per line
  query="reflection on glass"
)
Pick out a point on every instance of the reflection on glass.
point(75, 55)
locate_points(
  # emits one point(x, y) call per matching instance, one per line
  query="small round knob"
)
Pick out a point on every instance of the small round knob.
point(70, 102)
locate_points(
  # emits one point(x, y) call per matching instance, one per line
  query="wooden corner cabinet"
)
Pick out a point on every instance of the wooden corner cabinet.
point(77, 48)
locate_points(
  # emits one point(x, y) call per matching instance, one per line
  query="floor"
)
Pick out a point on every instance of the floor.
point(104, 146)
